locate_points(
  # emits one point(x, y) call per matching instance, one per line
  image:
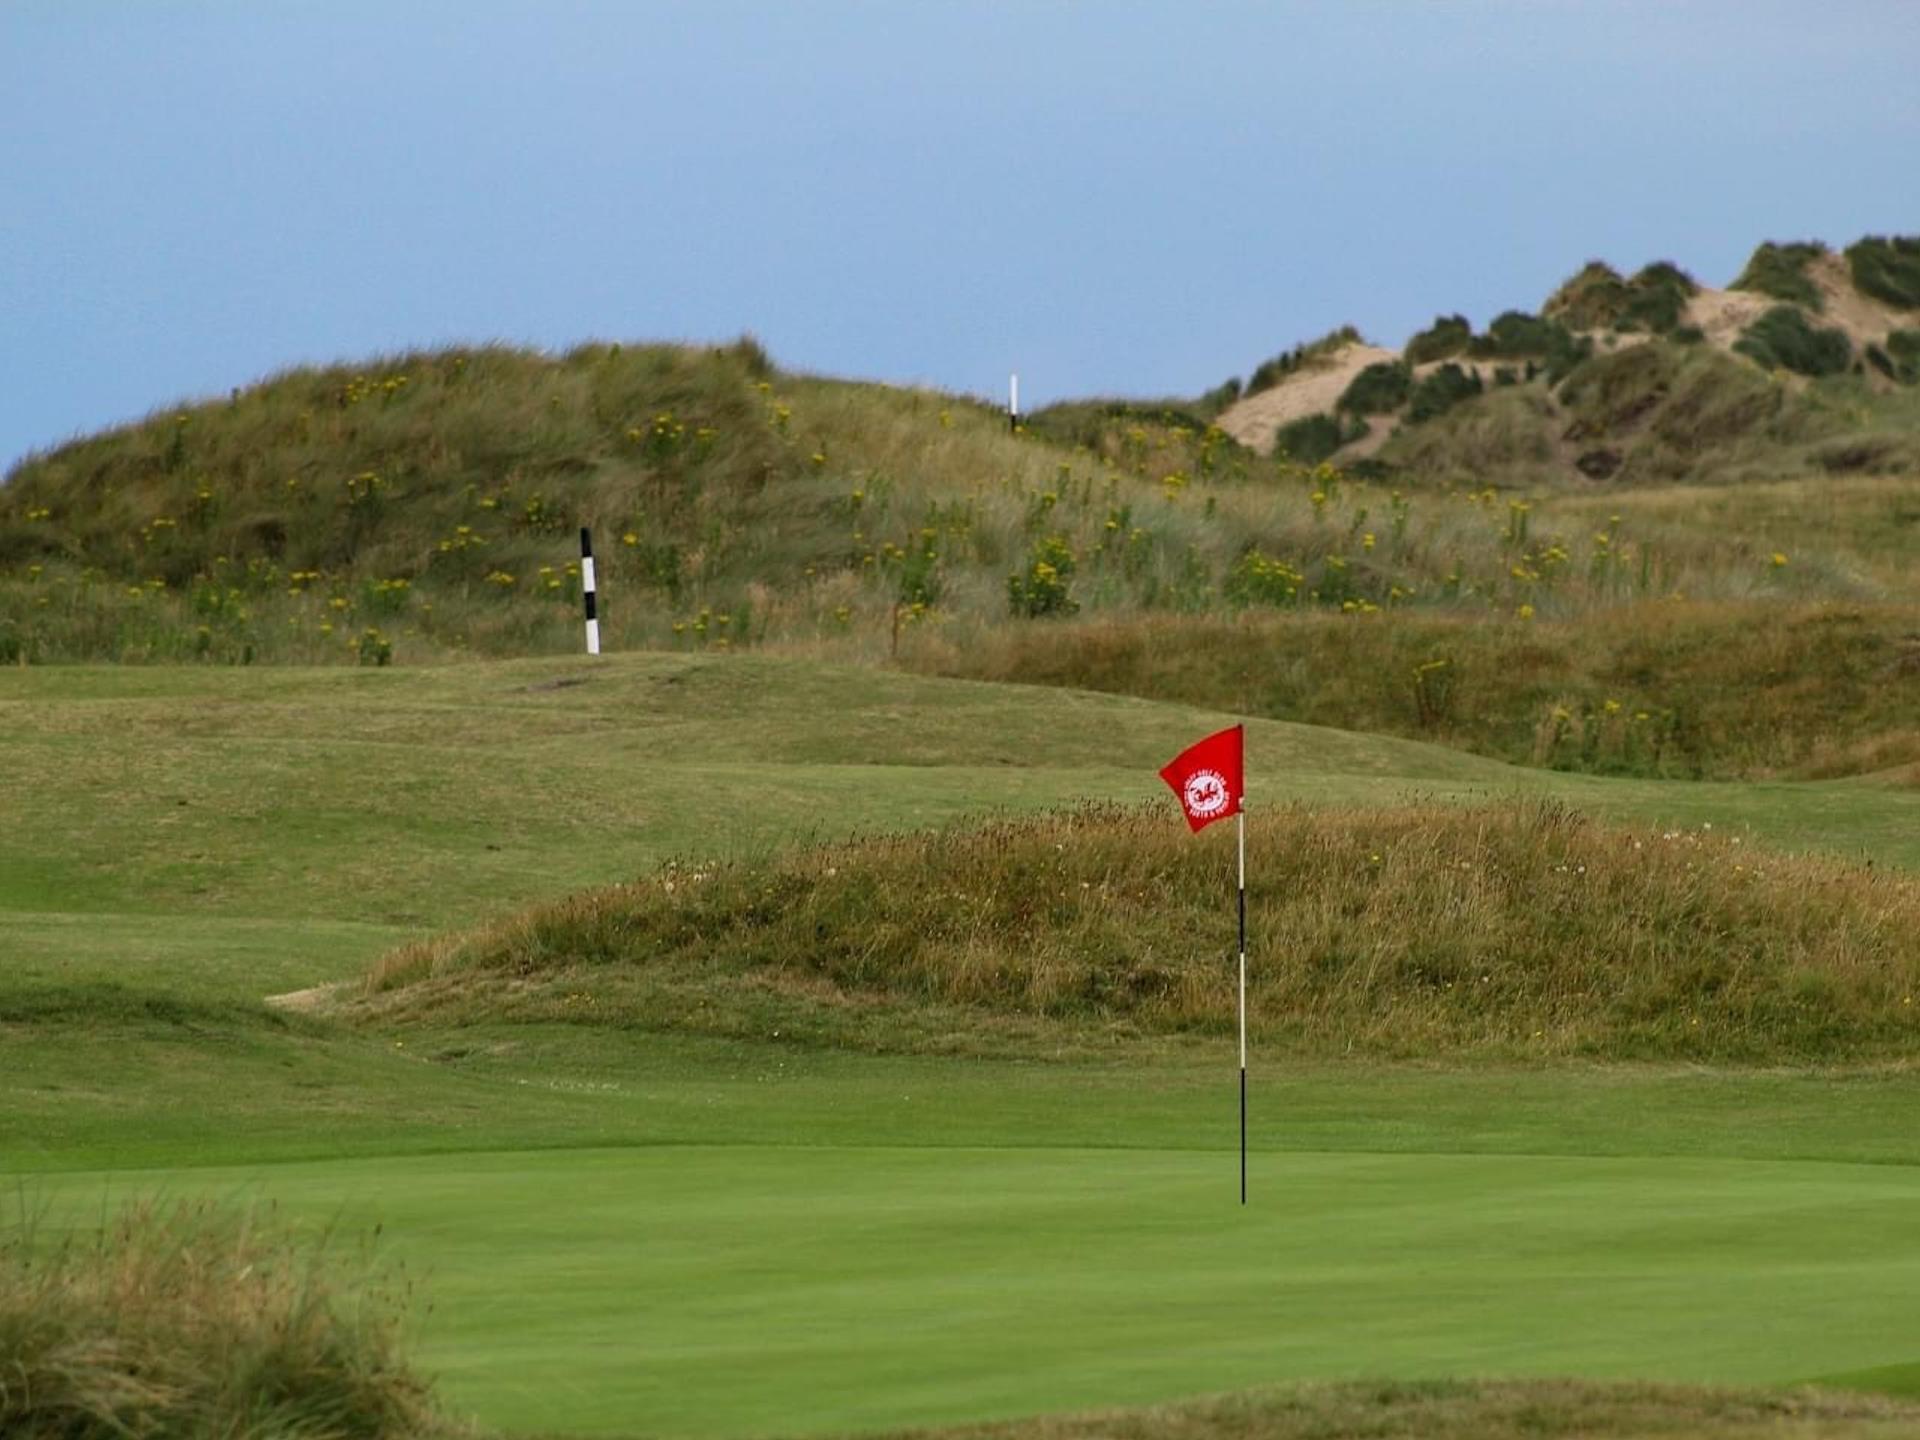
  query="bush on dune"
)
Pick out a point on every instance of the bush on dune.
point(1780, 271)
point(1448, 336)
point(1600, 298)
point(1380, 389)
point(1783, 339)
point(1313, 438)
point(1887, 268)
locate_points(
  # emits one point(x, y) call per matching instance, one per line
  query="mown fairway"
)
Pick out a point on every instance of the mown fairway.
point(624, 1231)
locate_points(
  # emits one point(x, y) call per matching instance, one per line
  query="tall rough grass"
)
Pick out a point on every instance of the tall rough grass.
point(188, 1322)
point(1508, 930)
point(1677, 689)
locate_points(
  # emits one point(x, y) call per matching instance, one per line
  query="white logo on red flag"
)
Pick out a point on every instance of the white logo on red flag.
point(1206, 793)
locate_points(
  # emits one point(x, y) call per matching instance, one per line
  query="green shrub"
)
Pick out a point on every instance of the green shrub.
point(1781, 272)
point(1220, 397)
point(1449, 335)
point(1903, 354)
point(1887, 268)
point(1592, 300)
point(1783, 339)
point(1659, 296)
point(1312, 438)
point(1441, 391)
point(1269, 373)
point(1091, 422)
point(1515, 335)
point(1544, 343)
point(1380, 389)
point(1598, 298)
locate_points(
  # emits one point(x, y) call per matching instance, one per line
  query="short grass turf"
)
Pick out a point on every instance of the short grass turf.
point(627, 1234)
point(1065, 1244)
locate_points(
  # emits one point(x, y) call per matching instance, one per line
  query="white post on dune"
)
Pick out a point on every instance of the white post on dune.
point(586, 590)
point(1013, 401)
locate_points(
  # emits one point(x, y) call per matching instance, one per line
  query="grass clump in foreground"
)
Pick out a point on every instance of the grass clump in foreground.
point(190, 1321)
point(1476, 1410)
point(1506, 930)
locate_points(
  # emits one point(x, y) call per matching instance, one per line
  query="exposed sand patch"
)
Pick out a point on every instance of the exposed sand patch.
point(1315, 390)
point(1254, 420)
point(1721, 315)
point(1865, 319)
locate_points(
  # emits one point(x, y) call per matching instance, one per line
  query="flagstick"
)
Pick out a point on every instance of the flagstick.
point(1241, 820)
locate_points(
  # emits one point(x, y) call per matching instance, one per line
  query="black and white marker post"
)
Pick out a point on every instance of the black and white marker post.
point(586, 590)
point(1013, 401)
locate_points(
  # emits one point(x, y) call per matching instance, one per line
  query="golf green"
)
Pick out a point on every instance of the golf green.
point(754, 1289)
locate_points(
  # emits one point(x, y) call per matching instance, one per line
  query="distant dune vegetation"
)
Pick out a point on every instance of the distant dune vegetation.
point(1535, 541)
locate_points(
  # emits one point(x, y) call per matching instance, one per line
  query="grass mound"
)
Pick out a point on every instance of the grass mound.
point(1478, 1410)
point(188, 1322)
point(1676, 412)
point(1521, 929)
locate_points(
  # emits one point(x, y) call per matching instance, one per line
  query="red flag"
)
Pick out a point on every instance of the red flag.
point(1208, 776)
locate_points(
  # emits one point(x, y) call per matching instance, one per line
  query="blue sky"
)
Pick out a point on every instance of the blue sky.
point(1124, 198)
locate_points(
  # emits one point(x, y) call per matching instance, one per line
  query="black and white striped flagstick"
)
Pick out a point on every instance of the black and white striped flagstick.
point(1240, 819)
point(586, 590)
point(1013, 401)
